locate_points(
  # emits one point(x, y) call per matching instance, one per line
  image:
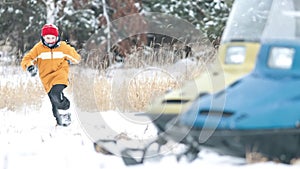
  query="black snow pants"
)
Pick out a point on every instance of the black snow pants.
point(58, 100)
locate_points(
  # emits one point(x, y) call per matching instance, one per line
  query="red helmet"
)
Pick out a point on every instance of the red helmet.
point(49, 29)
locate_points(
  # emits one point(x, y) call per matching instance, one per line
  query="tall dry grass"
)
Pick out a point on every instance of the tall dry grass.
point(143, 76)
point(102, 93)
point(140, 79)
point(17, 90)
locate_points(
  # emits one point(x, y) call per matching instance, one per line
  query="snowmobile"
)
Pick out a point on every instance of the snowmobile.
point(259, 113)
point(237, 53)
point(240, 43)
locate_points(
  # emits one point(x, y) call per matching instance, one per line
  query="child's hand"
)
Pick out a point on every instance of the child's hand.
point(32, 70)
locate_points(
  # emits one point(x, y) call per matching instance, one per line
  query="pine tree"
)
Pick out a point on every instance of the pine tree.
point(20, 24)
point(209, 16)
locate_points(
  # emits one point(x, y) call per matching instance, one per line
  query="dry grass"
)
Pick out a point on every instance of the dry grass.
point(101, 93)
point(254, 157)
point(82, 86)
point(143, 89)
point(128, 91)
point(295, 161)
point(145, 74)
point(167, 55)
point(125, 89)
point(128, 88)
point(16, 93)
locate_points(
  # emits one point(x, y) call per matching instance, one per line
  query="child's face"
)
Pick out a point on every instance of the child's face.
point(50, 39)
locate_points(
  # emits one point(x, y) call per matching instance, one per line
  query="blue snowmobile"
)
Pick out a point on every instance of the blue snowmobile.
point(257, 113)
point(260, 112)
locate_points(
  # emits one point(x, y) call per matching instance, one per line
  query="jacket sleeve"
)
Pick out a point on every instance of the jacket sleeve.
point(72, 55)
point(29, 58)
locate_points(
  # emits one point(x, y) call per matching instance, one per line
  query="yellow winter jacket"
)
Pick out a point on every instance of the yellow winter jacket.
point(52, 63)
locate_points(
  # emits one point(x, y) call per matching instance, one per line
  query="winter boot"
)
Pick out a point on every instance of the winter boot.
point(63, 118)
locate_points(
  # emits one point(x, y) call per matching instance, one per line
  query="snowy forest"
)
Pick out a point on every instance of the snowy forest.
point(143, 93)
point(21, 20)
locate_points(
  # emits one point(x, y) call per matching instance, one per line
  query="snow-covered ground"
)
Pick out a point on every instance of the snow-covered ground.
point(29, 139)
